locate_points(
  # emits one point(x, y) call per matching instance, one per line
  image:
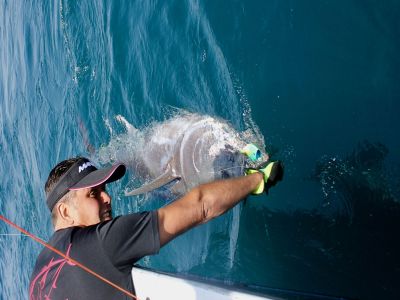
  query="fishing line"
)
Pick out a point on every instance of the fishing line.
point(69, 259)
point(224, 169)
point(12, 234)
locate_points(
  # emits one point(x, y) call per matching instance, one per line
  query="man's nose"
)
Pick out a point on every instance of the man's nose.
point(105, 197)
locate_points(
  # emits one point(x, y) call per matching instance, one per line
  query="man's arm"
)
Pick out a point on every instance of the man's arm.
point(202, 204)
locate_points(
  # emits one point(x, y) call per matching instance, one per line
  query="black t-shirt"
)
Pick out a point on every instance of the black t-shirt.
point(109, 248)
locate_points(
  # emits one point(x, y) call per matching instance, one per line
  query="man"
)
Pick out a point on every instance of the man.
point(86, 232)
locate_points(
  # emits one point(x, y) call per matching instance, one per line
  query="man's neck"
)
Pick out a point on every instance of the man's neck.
point(60, 226)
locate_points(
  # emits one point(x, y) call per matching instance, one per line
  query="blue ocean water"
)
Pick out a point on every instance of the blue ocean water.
point(319, 79)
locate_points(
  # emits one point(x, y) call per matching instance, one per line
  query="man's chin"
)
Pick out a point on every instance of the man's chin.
point(106, 217)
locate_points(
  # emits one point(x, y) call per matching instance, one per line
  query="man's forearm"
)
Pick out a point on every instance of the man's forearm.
point(203, 203)
point(219, 196)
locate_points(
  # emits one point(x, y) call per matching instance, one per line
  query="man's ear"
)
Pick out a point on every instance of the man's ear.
point(65, 213)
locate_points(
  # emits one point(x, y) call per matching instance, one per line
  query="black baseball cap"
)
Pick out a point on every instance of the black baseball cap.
point(81, 175)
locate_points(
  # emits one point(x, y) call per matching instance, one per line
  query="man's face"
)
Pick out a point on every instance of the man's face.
point(91, 206)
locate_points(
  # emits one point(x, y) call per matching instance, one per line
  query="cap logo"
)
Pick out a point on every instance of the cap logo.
point(84, 166)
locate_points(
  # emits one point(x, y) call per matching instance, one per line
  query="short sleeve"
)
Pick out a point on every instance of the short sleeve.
point(126, 239)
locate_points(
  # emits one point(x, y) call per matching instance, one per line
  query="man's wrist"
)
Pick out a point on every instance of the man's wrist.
point(258, 186)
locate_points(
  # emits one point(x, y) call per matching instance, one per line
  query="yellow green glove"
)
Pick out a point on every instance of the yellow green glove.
point(272, 171)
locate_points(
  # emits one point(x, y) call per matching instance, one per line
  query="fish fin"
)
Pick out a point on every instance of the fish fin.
point(160, 181)
point(85, 135)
